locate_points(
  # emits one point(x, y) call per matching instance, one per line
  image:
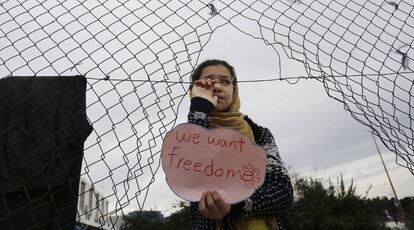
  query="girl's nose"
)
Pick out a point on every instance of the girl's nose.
point(217, 87)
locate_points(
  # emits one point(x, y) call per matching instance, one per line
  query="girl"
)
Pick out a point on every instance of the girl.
point(215, 103)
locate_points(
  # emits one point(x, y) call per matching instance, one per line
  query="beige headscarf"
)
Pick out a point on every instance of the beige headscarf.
point(232, 119)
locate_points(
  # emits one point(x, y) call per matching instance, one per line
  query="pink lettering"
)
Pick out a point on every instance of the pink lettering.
point(241, 142)
point(196, 136)
point(237, 144)
point(183, 137)
point(220, 170)
point(247, 176)
point(208, 171)
point(180, 159)
point(223, 143)
point(172, 154)
point(186, 163)
point(233, 173)
point(234, 143)
point(213, 140)
point(197, 165)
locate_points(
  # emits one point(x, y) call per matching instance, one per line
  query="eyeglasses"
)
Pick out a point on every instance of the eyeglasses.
point(221, 79)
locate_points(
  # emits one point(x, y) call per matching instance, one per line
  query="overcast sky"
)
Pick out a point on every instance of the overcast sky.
point(315, 135)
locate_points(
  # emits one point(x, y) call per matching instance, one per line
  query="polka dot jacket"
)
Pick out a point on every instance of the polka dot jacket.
point(276, 193)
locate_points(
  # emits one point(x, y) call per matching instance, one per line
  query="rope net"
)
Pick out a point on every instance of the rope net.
point(137, 57)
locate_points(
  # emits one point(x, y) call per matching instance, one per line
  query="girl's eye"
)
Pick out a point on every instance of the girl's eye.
point(225, 82)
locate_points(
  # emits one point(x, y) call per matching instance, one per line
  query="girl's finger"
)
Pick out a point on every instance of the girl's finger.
point(203, 207)
point(221, 205)
point(215, 99)
point(202, 204)
point(208, 83)
point(197, 83)
point(201, 83)
point(211, 205)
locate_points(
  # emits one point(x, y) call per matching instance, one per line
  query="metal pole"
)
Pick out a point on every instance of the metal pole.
point(389, 179)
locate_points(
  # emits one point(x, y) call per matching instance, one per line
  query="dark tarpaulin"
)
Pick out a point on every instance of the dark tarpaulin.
point(43, 127)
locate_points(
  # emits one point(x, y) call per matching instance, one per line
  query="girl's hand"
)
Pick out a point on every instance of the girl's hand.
point(204, 88)
point(213, 206)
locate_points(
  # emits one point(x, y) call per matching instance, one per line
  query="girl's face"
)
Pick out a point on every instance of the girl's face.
point(223, 89)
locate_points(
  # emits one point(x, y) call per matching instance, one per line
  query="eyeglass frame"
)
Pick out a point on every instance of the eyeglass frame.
point(221, 80)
